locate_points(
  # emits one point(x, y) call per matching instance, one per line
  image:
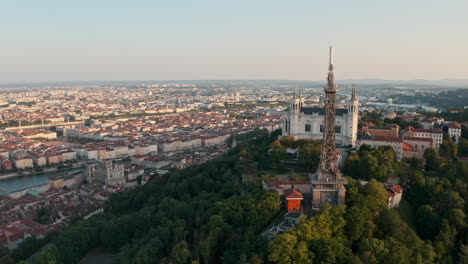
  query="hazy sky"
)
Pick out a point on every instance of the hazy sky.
point(231, 39)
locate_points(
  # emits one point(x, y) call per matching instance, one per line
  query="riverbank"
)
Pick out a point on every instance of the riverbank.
point(26, 173)
point(20, 182)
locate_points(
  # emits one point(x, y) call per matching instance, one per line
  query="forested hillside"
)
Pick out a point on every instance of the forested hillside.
point(202, 214)
point(208, 214)
point(443, 100)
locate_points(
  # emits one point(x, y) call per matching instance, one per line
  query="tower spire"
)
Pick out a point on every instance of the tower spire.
point(353, 92)
point(331, 76)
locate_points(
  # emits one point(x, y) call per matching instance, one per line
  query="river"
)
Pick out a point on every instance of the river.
point(26, 181)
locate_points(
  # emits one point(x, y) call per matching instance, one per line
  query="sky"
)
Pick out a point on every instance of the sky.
point(88, 40)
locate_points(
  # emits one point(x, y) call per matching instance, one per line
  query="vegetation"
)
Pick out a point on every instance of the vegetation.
point(442, 100)
point(82, 141)
point(209, 214)
point(26, 103)
point(372, 163)
point(242, 117)
point(377, 119)
point(432, 159)
point(308, 152)
point(429, 227)
point(202, 213)
point(460, 115)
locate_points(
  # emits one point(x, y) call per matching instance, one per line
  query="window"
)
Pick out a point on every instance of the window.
point(307, 128)
point(337, 129)
point(321, 128)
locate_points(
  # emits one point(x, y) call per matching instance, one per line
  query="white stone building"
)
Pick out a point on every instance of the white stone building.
point(380, 141)
point(307, 122)
point(68, 155)
point(454, 131)
point(436, 134)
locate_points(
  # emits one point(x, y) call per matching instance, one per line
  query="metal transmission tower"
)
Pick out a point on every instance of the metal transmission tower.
point(328, 183)
point(328, 159)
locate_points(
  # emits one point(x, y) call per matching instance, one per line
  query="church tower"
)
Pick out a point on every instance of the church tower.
point(353, 115)
point(328, 183)
point(292, 123)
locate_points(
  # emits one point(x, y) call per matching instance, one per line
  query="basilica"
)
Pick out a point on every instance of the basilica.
point(303, 122)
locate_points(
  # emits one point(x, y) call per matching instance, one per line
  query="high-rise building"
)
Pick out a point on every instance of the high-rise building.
point(328, 182)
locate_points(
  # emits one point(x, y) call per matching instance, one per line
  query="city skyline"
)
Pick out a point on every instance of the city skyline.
point(207, 40)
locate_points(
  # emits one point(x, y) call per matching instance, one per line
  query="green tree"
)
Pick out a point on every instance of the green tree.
point(372, 250)
point(432, 159)
point(463, 255)
point(352, 165)
point(329, 251)
point(288, 249)
point(180, 253)
point(287, 141)
point(48, 256)
point(277, 154)
point(368, 167)
point(359, 223)
point(456, 218)
point(309, 157)
point(448, 149)
point(375, 197)
point(427, 222)
point(463, 147)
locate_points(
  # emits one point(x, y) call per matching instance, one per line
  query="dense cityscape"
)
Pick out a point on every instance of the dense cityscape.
point(234, 132)
point(66, 150)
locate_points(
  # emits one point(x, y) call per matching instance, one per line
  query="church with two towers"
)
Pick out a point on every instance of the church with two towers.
point(335, 126)
point(303, 122)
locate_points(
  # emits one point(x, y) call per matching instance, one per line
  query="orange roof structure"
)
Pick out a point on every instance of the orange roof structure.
point(397, 189)
point(293, 194)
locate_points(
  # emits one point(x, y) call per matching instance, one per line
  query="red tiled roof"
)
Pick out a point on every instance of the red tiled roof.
point(407, 147)
point(397, 189)
point(387, 139)
point(455, 124)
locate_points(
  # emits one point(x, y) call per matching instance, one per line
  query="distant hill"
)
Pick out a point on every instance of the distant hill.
point(460, 83)
point(443, 82)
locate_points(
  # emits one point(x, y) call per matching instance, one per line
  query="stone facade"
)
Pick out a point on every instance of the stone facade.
point(109, 172)
point(308, 122)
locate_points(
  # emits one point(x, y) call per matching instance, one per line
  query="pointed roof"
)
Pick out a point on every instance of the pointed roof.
point(397, 189)
point(293, 194)
point(353, 92)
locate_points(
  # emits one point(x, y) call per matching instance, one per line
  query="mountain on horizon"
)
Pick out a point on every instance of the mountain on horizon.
point(442, 82)
point(370, 81)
